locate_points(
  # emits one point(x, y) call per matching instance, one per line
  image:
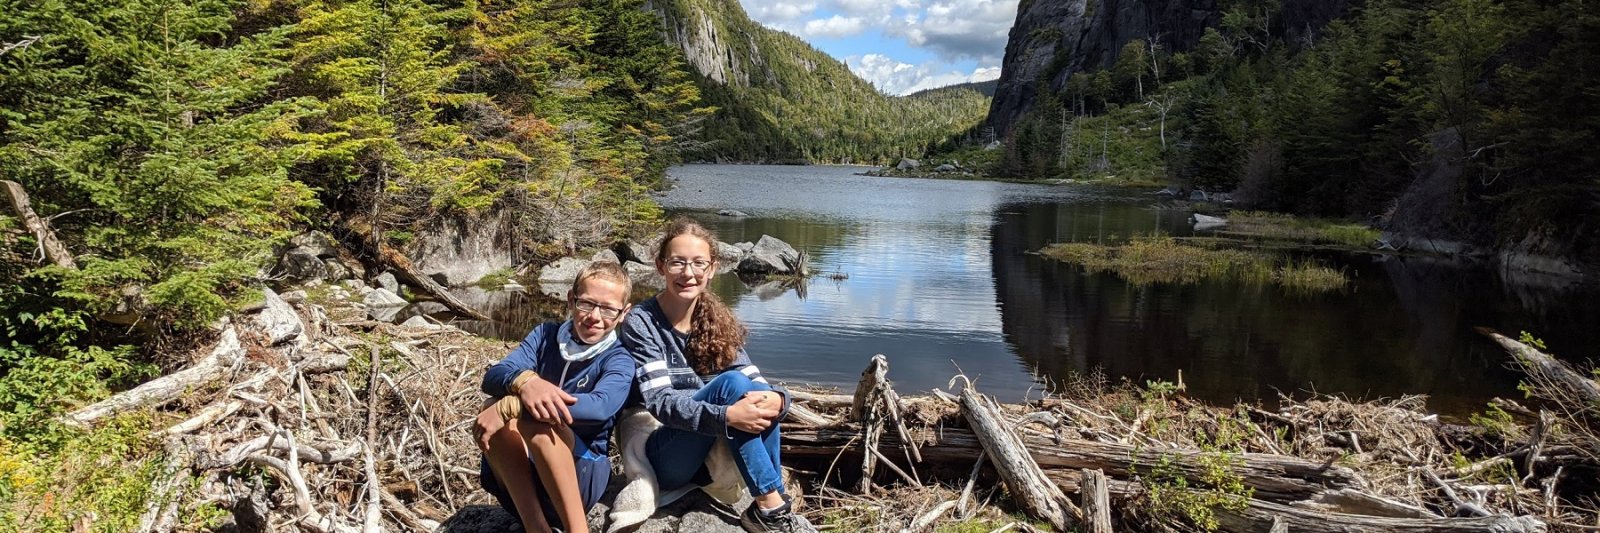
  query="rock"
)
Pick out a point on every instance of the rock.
point(512, 286)
point(564, 269)
point(643, 274)
point(946, 168)
point(1198, 195)
point(299, 265)
point(732, 213)
point(908, 164)
point(317, 243)
point(606, 256)
point(747, 246)
point(294, 297)
point(1206, 223)
point(380, 298)
point(643, 252)
point(336, 269)
point(387, 282)
point(278, 320)
point(419, 321)
point(458, 251)
point(769, 256)
point(729, 254)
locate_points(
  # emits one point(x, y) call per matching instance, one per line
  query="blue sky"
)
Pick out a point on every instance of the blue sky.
point(901, 46)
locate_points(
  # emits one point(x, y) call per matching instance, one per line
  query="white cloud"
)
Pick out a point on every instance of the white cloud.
point(960, 29)
point(894, 77)
point(778, 13)
point(835, 27)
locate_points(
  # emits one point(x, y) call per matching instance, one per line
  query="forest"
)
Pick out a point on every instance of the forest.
point(174, 146)
point(1466, 120)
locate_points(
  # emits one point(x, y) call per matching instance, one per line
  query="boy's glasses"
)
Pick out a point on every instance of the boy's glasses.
point(585, 307)
point(678, 266)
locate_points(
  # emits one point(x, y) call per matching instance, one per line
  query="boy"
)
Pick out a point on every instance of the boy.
point(545, 432)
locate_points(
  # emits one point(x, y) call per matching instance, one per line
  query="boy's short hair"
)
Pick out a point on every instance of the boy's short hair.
point(605, 270)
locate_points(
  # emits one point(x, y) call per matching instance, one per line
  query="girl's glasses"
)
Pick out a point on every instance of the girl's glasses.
point(678, 266)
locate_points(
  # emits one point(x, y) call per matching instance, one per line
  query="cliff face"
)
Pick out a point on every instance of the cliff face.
point(1055, 38)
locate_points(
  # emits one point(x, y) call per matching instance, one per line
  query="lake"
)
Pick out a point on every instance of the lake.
point(941, 280)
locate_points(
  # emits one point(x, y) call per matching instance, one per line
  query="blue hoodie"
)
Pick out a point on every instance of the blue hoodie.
point(600, 384)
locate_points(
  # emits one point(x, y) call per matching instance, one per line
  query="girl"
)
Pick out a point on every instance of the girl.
point(694, 376)
point(554, 401)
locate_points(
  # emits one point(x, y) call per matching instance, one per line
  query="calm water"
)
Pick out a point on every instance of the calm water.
point(940, 281)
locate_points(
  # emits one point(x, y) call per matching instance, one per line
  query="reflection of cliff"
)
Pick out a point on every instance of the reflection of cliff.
point(1236, 341)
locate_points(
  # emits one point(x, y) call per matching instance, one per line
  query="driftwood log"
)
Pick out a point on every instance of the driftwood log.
point(223, 359)
point(1027, 483)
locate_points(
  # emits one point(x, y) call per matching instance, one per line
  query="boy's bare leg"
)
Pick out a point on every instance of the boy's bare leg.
point(552, 456)
point(508, 458)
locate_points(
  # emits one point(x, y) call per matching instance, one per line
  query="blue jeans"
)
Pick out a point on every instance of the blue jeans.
point(677, 455)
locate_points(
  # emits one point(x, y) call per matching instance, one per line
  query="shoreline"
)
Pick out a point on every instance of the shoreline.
point(425, 389)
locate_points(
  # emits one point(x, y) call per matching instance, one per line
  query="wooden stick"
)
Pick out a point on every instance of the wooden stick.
point(1096, 501)
point(373, 520)
point(927, 519)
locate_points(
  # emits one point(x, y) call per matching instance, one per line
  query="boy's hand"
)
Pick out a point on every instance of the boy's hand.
point(489, 422)
point(546, 402)
point(747, 416)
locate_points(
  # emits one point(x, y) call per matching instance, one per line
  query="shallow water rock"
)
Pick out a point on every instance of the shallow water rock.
point(769, 257)
point(387, 282)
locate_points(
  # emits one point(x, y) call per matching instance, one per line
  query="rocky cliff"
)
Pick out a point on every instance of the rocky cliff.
point(1054, 38)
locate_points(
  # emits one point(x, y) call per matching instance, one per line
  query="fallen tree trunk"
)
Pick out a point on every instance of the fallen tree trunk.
point(53, 250)
point(223, 358)
point(1273, 477)
point(403, 269)
point(1261, 515)
point(1542, 366)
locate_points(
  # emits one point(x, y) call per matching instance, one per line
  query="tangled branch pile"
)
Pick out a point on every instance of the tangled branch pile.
point(299, 421)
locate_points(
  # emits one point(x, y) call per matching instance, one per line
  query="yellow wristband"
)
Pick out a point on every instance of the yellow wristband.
point(516, 383)
point(509, 406)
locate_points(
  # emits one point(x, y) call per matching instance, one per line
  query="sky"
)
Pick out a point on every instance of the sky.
point(901, 46)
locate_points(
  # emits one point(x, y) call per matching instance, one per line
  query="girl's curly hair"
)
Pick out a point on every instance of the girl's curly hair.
point(717, 334)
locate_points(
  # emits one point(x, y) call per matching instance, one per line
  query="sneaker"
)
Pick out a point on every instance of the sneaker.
point(782, 519)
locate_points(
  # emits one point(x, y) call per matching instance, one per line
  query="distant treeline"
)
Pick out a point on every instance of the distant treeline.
point(1465, 119)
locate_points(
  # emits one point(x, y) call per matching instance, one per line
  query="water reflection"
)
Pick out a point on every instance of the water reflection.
point(941, 278)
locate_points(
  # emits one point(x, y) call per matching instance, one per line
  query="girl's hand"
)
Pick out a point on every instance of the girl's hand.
point(768, 400)
point(749, 417)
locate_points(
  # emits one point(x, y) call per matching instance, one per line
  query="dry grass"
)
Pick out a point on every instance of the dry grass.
point(1164, 260)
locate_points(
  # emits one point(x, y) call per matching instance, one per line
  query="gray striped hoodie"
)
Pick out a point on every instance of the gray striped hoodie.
point(664, 381)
